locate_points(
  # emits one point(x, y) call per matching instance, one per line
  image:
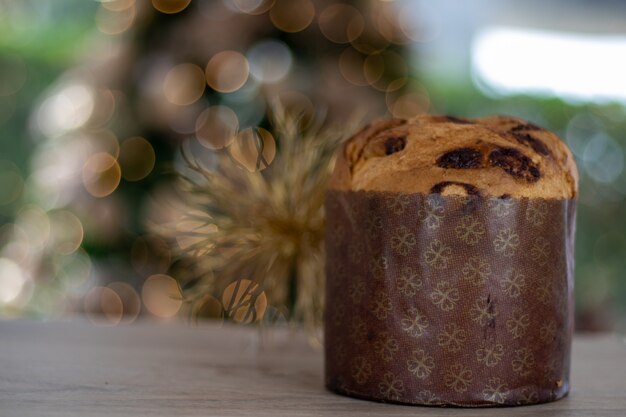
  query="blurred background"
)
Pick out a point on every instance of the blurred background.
point(96, 98)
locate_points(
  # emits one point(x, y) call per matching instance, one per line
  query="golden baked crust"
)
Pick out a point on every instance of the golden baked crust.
point(491, 156)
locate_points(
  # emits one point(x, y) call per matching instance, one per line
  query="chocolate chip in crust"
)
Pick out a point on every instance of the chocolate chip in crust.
point(515, 163)
point(394, 144)
point(527, 127)
point(440, 186)
point(529, 140)
point(451, 119)
point(461, 158)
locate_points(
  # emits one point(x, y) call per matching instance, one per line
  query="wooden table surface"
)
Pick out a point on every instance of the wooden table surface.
point(72, 368)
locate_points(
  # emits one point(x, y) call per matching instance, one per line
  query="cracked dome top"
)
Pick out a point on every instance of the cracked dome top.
point(492, 156)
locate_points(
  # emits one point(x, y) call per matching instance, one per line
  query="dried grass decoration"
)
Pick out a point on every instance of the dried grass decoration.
point(258, 228)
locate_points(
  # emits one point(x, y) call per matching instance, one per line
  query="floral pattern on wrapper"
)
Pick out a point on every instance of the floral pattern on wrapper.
point(438, 300)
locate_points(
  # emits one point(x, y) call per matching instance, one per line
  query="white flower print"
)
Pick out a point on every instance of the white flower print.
point(428, 397)
point(470, 230)
point(414, 322)
point(386, 346)
point(338, 235)
point(403, 241)
point(523, 362)
point(398, 203)
point(549, 370)
point(338, 313)
point(458, 377)
point(378, 266)
point(444, 296)
point(540, 251)
point(391, 387)
point(361, 370)
point(356, 290)
point(380, 305)
point(452, 337)
point(536, 212)
point(358, 330)
point(544, 292)
point(506, 242)
point(421, 364)
point(547, 331)
point(355, 252)
point(517, 323)
point(408, 282)
point(476, 270)
point(373, 224)
point(527, 396)
point(501, 206)
point(490, 354)
point(431, 213)
point(496, 391)
point(438, 254)
point(483, 311)
point(512, 283)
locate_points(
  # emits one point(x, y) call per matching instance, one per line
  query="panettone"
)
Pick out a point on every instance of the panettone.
point(493, 156)
point(450, 263)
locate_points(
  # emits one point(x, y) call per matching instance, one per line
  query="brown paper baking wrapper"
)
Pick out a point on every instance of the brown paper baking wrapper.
point(433, 300)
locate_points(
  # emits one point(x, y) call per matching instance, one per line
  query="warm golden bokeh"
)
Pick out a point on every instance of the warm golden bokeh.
point(254, 149)
point(66, 232)
point(184, 84)
point(170, 6)
point(103, 306)
point(114, 22)
point(341, 23)
point(216, 127)
point(227, 71)
point(254, 7)
point(244, 302)
point(131, 303)
point(292, 15)
point(136, 158)
point(161, 296)
point(101, 174)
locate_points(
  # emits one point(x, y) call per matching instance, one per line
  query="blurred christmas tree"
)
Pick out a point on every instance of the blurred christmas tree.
point(196, 71)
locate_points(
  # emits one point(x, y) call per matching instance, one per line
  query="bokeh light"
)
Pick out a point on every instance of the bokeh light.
point(11, 183)
point(161, 296)
point(101, 174)
point(136, 158)
point(170, 6)
point(35, 224)
point(131, 303)
point(13, 74)
point(103, 306)
point(115, 21)
point(254, 149)
point(410, 104)
point(66, 232)
point(254, 7)
point(341, 23)
point(243, 302)
point(150, 255)
point(292, 15)
point(11, 281)
point(117, 5)
point(227, 71)
point(65, 109)
point(216, 127)
point(184, 84)
point(208, 307)
point(270, 61)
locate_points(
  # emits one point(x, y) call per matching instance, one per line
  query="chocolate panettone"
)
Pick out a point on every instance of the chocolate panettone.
point(450, 263)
